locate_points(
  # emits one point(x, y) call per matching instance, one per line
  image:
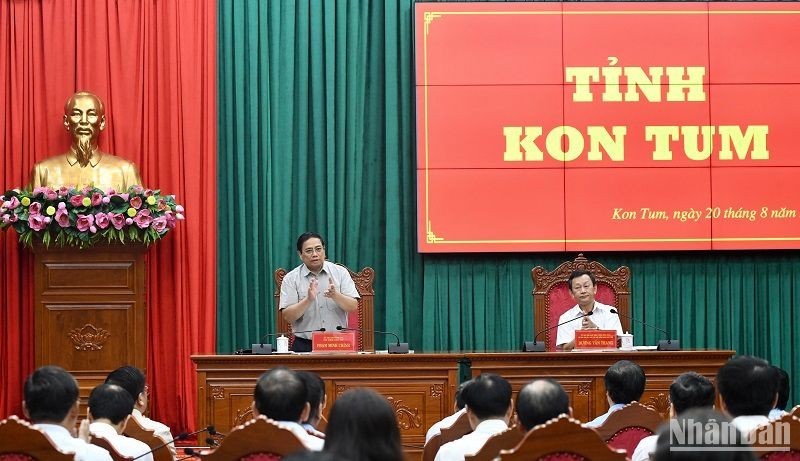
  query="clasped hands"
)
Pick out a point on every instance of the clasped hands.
point(587, 324)
point(314, 286)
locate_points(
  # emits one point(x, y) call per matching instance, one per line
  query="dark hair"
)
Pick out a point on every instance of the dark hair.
point(306, 236)
point(625, 382)
point(315, 388)
point(280, 394)
point(716, 430)
point(111, 402)
point(363, 427)
point(783, 388)
point(129, 378)
point(540, 401)
point(691, 390)
point(458, 397)
point(487, 396)
point(50, 392)
point(747, 386)
point(312, 456)
point(580, 273)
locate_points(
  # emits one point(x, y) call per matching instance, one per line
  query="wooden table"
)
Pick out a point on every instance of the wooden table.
point(421, 387)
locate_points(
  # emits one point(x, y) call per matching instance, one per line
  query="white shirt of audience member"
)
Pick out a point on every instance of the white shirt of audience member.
point(62, 439)
point(446, 422)
point(125, 446)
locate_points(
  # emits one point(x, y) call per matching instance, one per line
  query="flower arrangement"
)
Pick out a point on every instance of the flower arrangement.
point(83, 217)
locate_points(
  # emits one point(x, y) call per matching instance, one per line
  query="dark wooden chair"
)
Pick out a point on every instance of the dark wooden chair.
point(22, 441)
point(779, 440)
point(505, 440)
point(135, 430)
point(363, 318)
point(102, 442)
point(562, 439)
point(257, 440)
point(551, 295)
point(458, 429)
point(626, 427)
point(795, 411)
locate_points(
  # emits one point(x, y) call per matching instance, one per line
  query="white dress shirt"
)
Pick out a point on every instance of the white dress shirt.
point(776, 413)
point(646, 446)
point(62, 439)
point(308, 440)
point(446, 422)
point(161, 430)
point(472, 442)
point(597, 422)
point(746, 424)
point(125, 446)
point(601, 316)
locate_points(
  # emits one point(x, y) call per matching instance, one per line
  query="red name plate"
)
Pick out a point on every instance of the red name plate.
point(328, 341)
point(595, 339)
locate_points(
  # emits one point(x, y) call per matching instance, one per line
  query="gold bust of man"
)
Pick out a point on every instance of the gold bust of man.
point(84, 164)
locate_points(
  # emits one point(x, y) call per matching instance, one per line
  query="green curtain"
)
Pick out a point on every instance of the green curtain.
point(316, 132)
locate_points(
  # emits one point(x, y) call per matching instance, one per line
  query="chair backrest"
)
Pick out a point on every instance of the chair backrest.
point(135, 430)
point(22, 440)
point(363, 318)
point(783, 432)
point(455, 431)
point(562, 438)
point(626, 427)
point(102, 442)
point(795, 411)
point(258, 439)
point(505, 440)
point(551, 295)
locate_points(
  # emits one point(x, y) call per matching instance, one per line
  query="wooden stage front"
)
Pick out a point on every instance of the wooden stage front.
point(421, 387)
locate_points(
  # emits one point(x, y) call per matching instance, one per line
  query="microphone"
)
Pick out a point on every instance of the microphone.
point(266, 349)
point(181, 436)
point(399, 348)
point(533, 346)
point(668, 344)
point(190, 453)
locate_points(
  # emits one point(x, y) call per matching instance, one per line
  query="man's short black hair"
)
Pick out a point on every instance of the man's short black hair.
point(281, 395)
point(50, 392)
point(111, 402)
point(580, 273)
point(129, 378)
point(783, 388)
point(691, 390)
point(315, 387)
point(487, 396)
point(701, 434)
point(540, 401)
point(625, 382)
point(747, 386)
point(460, 398)
point(306, 236)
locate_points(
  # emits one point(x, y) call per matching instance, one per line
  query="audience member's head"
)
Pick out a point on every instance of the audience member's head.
point(363, 427)
point(487, 396)
point(312, 456)
point(625, 382)
point(111, 404)
point(783, 388)
point(540, 401)
point(51, 396)
point(691, 390)
point(132, 380)
point(701, 434)
point(316, 395)
point(747, 386)
point(459, 399)
point(281, 395)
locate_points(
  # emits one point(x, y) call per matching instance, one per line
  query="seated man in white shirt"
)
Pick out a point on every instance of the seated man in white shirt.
point(783, 394)
point(540, 401)
point(625, 383)
point(51, 403)
point(110, 408)
point(748, 390)
point(282, 396)
point(132, 380)
point(688, 391)
point(447, 421)
point(583, 289)
point(488, 403)
point(701, 434)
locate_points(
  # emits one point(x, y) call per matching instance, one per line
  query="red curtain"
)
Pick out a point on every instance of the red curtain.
point(153, 65)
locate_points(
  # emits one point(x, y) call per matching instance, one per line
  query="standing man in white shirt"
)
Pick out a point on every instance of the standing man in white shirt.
point(583, 288)
point(489, 408)
point(110, 408)
point(51, 403)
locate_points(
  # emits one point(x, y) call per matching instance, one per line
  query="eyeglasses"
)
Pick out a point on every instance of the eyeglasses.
point(311, 251)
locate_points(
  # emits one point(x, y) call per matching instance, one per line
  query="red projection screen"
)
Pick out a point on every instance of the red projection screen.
point(607, 126)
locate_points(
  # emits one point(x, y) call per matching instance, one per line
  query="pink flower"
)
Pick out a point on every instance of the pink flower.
point(62, 217)
point(62, 205)
point(84, 222)
point(50, 194)
point(97, 199)
point(148, 192)
point(93, 230)
point(86, 190)
point(38, 190)
point(179, 209)
point(106, 200)
point(102, 220)
point(143, 219)
point(124, 196)
point(76, 200)
point(136, 202)
point(137, 189)
point(35, 208)
point(162, 205)
point(37, 222)
point(63, 191)
point(12, 203)
point(111, 192)
point(160, 224)
point(117, 220)
point(129, 221)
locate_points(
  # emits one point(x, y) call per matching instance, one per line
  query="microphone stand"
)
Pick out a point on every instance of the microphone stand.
point(668, 344)
point(533, 346)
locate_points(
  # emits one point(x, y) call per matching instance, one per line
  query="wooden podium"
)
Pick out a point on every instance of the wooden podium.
point(90, 311)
